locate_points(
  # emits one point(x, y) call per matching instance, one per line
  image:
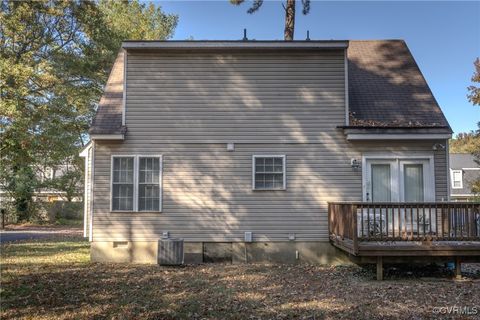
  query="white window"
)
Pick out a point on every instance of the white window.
point(122, 183)
point(136, 183)
point(268, 172)
point(457, 179)
point(149, 184)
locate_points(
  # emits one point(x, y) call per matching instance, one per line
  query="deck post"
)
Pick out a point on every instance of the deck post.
point(379, 268)
point(354, 229)
point(458, 268)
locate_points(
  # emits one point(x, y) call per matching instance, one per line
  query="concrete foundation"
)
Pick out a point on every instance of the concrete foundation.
point(291, 252)
point(124, 251)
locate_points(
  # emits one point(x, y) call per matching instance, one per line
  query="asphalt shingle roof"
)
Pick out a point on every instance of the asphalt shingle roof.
point(386, 87)
point(465, 162)
point(108, 119)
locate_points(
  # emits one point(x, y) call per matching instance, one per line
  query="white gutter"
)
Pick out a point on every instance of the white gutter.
point(119, 136)
point(407, 136)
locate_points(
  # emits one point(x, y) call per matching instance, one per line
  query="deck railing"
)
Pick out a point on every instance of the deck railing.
point(432, 221)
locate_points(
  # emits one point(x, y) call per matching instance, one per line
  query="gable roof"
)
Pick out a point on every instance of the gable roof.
point(462, 160)
point(386, 87)
point(108, 119)
point(470, 172)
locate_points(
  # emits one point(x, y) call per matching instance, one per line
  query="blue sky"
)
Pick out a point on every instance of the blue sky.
point(443, 36)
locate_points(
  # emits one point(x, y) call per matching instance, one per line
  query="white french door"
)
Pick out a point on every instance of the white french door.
point(416, 184)
point(397, 179)
point(381, 181)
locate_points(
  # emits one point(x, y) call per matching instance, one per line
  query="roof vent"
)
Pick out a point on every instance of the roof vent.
point(308, 35)
point(245, 35)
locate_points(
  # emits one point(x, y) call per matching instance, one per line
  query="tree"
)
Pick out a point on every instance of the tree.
point(474, 98)
point(474, 91)
point(289, 13)
point(54, 60)
point(465, 142)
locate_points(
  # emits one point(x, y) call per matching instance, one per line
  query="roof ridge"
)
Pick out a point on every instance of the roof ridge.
point(375, 40)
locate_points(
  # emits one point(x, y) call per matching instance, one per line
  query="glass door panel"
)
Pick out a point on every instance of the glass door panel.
point(381, 182)
point(413, 186)
point(380, 187)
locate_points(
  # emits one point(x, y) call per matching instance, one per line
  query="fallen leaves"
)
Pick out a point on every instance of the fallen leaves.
point(50, 279)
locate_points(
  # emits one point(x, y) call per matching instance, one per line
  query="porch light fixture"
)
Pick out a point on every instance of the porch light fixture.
point(438, 146)
point(355, 163)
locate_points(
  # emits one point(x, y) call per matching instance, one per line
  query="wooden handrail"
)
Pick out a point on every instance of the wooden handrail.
point(406, 203)
point(392, 221)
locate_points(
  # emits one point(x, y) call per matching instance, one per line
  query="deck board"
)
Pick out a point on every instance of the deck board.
point(410, 248)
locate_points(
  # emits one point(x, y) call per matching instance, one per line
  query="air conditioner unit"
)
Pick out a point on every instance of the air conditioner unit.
point(170, 252)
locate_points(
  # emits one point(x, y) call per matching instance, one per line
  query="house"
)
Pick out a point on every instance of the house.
point(45, 175)
point(244, 148)
point(463, 172)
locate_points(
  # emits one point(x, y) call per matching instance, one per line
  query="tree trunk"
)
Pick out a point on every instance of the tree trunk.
point(289, 20)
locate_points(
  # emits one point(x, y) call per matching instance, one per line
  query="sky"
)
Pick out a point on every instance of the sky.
point(444, 36)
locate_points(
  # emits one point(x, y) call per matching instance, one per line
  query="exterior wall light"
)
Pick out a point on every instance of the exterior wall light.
point(355, 163)
point(438, 146)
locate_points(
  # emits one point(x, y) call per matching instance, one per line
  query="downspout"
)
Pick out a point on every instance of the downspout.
point(347, 109)
point(447, 151)
point(85, 197)
point(92, 184)
point(124, 97)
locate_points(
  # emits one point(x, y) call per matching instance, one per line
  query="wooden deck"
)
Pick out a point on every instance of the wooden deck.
point(402, 231)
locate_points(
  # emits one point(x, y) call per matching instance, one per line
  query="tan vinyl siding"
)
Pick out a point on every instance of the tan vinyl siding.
point(187, 106)
point(207, 194)
point(289, 97)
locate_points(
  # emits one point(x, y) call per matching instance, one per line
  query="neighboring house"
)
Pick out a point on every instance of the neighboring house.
point(238, 147)
point(463, 172)
point(45, 174)
point(50, 173)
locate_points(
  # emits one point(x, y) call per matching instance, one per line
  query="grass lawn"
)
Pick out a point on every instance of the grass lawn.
point(53, 279)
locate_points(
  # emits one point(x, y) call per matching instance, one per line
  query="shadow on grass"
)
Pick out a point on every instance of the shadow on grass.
point(77, 290)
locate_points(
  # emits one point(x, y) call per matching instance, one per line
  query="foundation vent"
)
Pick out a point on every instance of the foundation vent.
point(170, 252)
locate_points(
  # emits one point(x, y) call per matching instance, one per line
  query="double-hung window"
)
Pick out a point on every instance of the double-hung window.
point(149, 184)
point(269, 172)
point(122, 183)
point(457, 179)
point(136, 183)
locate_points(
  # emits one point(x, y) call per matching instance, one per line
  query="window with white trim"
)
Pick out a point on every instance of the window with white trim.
point(457, 179)
point(122, 183)
point(269, 172)
point(136, 183)
point(149, 184)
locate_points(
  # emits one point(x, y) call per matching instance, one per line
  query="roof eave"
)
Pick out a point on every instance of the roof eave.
point(85, 149)
point(330, 44)
point(396, 133)
point(110, 136)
